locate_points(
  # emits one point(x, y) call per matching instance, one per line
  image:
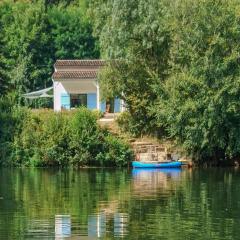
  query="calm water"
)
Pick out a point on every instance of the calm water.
point(138, 204)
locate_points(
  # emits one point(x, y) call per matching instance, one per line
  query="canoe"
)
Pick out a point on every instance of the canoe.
point(174, 164)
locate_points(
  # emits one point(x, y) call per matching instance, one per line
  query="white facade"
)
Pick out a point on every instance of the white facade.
point(74, 87)
point(79, 77)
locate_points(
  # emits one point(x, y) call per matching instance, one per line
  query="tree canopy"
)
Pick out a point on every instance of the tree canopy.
point(174, 63)
point(177, 67)
point(139, 47)
point(35, 33)
point(201, 105)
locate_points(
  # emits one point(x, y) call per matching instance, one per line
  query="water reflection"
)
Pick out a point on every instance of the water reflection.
point(150, 182)
point(120, 224)
point(97, 225)
point(62, 226)
point(40, 228)
point(106, 204)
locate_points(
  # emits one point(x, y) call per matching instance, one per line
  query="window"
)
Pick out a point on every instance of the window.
point(78, 100)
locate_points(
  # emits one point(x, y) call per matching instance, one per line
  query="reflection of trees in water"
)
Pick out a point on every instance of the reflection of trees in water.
point(11, 209)
point(35, 195)
point(193, 202)
point(144, 183)
point(202, 206)
point(69, 192)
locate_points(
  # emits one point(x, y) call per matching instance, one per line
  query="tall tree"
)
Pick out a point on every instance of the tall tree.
point(4, 79)
point(201, 109)
point(28, 42)
point(71, 33)
point(35, 36)
point(136, 36)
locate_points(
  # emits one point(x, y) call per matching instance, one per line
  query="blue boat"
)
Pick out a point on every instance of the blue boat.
point(174, 164)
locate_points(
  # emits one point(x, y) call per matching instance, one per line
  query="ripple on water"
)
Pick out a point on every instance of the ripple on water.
point(140, 204)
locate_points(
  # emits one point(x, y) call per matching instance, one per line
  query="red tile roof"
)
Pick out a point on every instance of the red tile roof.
point(80, 63)
point(74, 74)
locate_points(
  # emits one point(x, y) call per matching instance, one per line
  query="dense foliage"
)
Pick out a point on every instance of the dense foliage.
point(11, 120)
point(33, 34)
point(174, 63)
point(201, 106)
point(177, 68)
point(44, 138)
point(139, 45)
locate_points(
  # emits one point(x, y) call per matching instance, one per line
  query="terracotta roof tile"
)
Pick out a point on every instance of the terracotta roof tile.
point(74, 75)
point(80, 63)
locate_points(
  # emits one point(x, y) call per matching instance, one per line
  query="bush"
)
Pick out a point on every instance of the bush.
point(11, 120)
point(45, 138)
point(115, 152)
point(128, 124)
point(42, 141)
point(85, 138)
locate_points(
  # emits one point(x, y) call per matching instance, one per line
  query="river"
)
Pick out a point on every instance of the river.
point(119, 204)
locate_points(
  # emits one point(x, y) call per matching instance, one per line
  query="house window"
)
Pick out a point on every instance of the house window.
point(78, 100)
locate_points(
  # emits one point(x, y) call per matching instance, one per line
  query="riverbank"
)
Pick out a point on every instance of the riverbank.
point(78, 138)
point(71, 138)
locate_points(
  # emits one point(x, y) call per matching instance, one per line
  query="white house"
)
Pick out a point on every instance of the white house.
point(75, 83)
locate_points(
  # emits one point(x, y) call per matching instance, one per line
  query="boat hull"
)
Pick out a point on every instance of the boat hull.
point(174, 164)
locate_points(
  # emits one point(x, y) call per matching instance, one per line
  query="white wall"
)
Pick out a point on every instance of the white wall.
point(72, 86)
point(122, 106)
point(75, 87)
point(57, 90)
point(80, 86)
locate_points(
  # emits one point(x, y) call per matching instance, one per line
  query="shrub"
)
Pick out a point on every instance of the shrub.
point(45, 138)
point(128, 124)
point(85, 137)
point(115, 152)
point(11, 120)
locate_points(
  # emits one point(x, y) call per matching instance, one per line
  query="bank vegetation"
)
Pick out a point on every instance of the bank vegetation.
point(174, 63)
point(42, 138)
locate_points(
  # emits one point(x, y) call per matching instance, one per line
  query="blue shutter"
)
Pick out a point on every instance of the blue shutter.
point(103, 106)
point(65, 100)
point(117, 105)
point(92, 101)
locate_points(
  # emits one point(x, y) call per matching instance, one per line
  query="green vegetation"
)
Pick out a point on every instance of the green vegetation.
point(174, 63)
point(33, 34)
point(191, 201)
point(45, 138)
point(177, 68)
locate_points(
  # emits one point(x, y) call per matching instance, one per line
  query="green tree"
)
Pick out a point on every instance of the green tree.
point(4, 82)
point(138, 49)
point(71, 33)
point(29, 46)
point(201, 105)
point(4, 79)
point(36, 33)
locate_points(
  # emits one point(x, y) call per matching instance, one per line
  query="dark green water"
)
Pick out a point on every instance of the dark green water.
point(87, 204)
